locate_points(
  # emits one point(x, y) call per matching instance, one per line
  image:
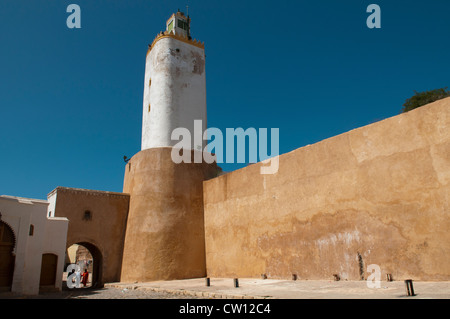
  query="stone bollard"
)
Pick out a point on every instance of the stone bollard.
point(409, 287)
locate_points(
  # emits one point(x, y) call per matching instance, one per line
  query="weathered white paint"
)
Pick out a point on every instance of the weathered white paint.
point(51, 204)
point(346, 238)
point(175, 90)
point(49, 236)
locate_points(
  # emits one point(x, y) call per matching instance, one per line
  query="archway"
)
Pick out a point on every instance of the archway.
point(86, 256)
point(7, 258)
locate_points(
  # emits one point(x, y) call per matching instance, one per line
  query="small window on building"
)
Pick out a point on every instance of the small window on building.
point(170, 26)
point(182, 24)
point(149, 107)
point(31, 232)
point(87, 215)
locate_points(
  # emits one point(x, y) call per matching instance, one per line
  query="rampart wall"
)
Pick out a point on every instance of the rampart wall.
point(379, 194)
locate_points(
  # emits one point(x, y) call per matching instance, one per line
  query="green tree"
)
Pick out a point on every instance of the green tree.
point(423, 98)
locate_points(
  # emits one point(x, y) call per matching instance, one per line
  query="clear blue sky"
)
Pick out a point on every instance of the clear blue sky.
point(71, 99)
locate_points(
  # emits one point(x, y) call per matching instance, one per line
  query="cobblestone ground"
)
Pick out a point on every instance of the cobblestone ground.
point(103, 293)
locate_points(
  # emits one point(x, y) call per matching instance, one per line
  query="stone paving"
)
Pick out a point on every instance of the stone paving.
point(103, 293)
point(289, 289)
point(222, 288)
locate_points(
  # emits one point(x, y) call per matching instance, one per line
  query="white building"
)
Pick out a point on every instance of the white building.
point(174, 86)
point(32, 246)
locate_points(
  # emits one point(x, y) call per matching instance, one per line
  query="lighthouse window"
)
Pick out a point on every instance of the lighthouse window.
point(170, 27)
point(182, 24)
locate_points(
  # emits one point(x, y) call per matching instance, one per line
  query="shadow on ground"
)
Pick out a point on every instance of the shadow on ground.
point(66, 293)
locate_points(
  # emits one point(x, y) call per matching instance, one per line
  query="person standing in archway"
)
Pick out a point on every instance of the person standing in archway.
point(77, 277)
point(84, 277)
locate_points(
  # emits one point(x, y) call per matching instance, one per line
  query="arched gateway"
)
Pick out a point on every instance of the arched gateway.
point(97, 221)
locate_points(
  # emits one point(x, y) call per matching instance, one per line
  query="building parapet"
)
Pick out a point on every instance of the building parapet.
point(24, 200)
point(182, 38)
point(86, 192)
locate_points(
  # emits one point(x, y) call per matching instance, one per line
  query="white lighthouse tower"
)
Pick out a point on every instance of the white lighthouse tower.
point(165, 236)
point(175, 86)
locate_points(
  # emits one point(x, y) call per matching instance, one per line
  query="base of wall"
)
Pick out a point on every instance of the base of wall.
point(164, 238)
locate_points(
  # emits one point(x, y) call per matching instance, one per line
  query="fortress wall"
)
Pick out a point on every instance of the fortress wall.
point(379, 194)
point(164, 237)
